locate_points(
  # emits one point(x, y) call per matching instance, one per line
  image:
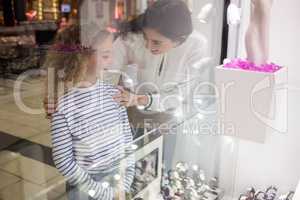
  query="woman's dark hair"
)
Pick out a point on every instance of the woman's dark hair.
point(171, 18)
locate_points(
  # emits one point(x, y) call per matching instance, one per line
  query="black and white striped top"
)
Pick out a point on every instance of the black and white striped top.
point(90, 135)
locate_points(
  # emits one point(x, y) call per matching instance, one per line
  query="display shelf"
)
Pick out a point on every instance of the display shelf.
point(252, 102)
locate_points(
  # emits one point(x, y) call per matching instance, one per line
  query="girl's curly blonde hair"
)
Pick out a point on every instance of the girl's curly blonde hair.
point(68, 57)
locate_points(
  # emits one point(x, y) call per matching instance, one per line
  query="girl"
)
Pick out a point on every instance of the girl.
point(90, 131)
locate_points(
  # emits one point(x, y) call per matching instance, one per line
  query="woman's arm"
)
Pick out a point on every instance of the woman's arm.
point(64, 160)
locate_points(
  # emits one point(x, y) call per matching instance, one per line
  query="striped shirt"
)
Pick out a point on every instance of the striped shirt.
point(90, 135)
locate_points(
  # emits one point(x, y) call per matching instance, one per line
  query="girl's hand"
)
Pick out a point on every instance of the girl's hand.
point(128, 99)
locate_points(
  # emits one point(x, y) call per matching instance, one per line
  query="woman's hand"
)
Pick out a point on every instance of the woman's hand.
point(120, 194)
point(128, 99)
point(116, 195)
point(49, 106)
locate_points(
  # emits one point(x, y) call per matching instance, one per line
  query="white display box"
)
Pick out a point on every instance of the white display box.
point(249, 102)
point(153, 189)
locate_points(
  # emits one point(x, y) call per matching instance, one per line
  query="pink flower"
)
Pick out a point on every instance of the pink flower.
point(250, 66)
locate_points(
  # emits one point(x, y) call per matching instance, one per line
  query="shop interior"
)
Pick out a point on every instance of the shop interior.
point(209, 161)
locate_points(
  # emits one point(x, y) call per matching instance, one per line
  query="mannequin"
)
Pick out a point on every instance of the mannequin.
point(257, 36)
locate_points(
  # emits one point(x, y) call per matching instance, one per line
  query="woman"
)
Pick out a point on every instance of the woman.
point(162, 44)
point(168, 56)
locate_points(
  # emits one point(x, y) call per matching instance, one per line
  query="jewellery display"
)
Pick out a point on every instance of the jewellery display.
point(145, 172)
point(187, 182)
point(288, 196)
point(269, 194)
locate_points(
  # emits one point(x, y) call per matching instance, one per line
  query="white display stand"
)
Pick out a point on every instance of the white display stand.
point(153, 189)
point(249, 102)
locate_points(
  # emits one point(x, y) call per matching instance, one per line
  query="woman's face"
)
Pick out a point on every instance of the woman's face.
point(156, 42)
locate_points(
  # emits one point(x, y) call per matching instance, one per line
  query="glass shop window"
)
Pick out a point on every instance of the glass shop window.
point(27, 171)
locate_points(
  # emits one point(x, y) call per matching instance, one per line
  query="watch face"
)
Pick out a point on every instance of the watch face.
point(269, 194)
point(187, 182)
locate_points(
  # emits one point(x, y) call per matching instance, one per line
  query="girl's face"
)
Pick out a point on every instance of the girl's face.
point(156, 42)
point(102, 58)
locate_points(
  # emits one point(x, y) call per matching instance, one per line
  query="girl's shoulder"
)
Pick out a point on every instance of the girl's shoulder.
point(66, 100)
point(109, 88)
point(75, 94)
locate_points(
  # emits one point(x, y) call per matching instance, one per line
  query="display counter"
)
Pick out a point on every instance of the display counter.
point(184, 156)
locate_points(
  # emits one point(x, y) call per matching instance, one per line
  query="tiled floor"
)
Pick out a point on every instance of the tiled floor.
point(44, 139)
point(7, 179)
point(30, 170)
point(7, 156)
point(27, 190)
point(22, 176)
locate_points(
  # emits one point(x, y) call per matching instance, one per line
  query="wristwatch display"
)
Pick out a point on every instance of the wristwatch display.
point(271, 193)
